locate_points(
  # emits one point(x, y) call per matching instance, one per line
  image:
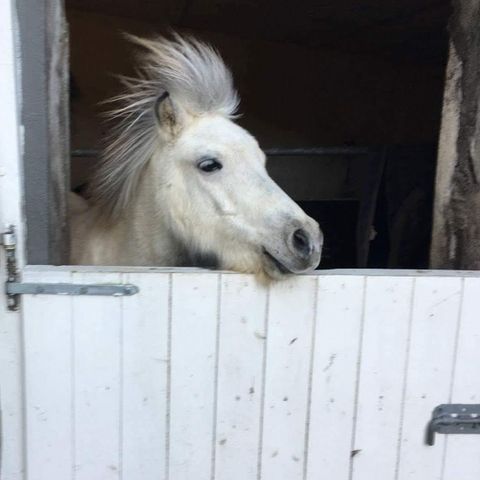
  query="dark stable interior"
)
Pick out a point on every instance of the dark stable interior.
point(317, 73)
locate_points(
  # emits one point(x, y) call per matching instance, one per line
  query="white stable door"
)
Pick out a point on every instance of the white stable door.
point(210, 376)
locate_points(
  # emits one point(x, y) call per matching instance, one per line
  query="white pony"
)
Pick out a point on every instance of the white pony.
point(181, 184)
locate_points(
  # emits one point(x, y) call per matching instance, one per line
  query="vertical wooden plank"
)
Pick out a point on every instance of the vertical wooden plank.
point(58, 95)
point(442, 232)
point(11, 390)
point(34, 114)
point(44, 56)
point(97, 381)
point(456, 224)
point(194, 323)
point(336, 357)
point(289, 343)
point(434, 323)
point(47, 327)
point(144, 385)
point(462, 459)
point(11, 203)
point(11, 136)
point(240, 377)
point(384, 350)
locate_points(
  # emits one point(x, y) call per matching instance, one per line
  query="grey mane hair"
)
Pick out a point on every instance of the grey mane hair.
point(194, 75)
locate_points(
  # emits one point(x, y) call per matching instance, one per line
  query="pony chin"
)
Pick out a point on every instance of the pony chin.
point(264, 274)
point(254, 264)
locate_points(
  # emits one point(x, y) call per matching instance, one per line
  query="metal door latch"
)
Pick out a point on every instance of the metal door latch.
point(454, 419)
point(14, 288)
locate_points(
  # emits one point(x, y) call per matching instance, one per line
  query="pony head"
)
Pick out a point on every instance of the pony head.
point(208, 182)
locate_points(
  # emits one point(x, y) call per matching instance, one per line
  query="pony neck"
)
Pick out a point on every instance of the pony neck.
point(147, 236)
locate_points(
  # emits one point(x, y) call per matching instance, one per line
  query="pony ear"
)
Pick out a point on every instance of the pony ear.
point(170, 116)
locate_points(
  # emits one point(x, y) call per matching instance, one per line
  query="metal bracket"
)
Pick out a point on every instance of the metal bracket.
point(14, 288)
point(454, 419)
point(116, 290)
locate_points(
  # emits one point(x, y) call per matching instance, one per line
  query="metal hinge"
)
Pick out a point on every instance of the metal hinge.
point(9, 242)
point(14, 288)
point(454, 419)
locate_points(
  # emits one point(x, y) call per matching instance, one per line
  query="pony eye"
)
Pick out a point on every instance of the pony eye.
point(209, 165)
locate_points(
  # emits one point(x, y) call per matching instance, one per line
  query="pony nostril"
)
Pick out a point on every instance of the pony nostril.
point(301, 242)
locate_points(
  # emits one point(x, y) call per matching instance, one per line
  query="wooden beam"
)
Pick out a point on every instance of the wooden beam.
point(456, 231)
point(44, 103)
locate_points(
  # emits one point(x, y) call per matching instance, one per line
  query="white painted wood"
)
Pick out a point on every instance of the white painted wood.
point(462, 459)
point(240, 377)
point(387, 314)
point(334, 376)
point(435, 314)
point(192, 380)
point(10, 130)
point(11, 391)
point(291, 319)
point(213, 377)
point(144, 380)
point(374, 272)
point(48, 337)
point(11, 379)
point(97, 381)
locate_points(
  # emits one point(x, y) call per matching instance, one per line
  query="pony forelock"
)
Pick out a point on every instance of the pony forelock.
point(194, 75)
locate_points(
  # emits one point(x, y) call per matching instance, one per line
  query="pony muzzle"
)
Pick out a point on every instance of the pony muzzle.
point(301, 251)
point(305, 245)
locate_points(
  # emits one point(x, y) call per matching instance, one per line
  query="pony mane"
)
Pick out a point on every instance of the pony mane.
point(194, 75)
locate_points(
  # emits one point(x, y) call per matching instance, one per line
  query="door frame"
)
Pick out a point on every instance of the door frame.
point(12, 451)
point(44, 59)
